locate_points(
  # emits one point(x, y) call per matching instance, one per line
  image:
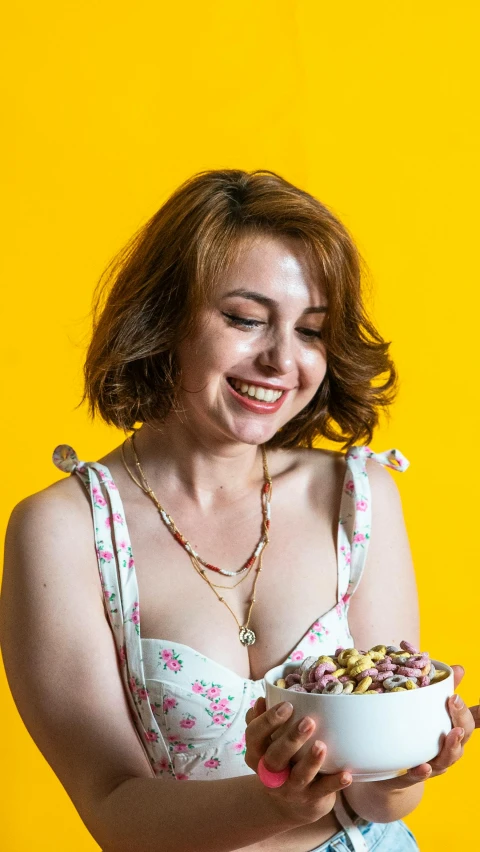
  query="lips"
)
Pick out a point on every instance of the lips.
point(248, 398)
point(259, 392)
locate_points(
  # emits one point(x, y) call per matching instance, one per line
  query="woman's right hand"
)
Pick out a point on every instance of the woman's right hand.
point(303, 798)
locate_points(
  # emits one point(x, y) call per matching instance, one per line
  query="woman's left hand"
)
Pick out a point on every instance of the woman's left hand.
point(465, 720)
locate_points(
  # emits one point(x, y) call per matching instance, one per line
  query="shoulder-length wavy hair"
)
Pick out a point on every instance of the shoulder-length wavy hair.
point(148, 298)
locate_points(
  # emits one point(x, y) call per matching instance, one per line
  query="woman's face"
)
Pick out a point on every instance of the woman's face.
point(257, 356)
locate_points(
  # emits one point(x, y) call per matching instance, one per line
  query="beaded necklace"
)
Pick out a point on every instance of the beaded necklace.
point(246, 634)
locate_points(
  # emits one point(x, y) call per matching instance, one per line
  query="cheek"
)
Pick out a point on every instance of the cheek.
point(314, 365)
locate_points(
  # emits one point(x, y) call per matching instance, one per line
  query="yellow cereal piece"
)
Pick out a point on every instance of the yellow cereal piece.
point(379, 649)
point(324, 659)
point(440, 674)
point(345, 654)
point(398, 689)
point(410, 685)
point(400, 656)
point(360, 666)
point(425, 670)
point(371, 692)
point(363, 685)
point(348, 687)
point(281, 682)
point(376, 655)
point(339, 672)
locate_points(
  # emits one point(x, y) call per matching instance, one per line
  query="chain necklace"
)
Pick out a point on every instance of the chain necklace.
point(171, 526)
point(246, 634)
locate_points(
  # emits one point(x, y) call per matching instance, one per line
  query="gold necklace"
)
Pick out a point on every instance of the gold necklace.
point(246, 634)
point(173, 529)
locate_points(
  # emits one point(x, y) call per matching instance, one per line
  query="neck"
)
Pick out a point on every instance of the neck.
point(206, 473)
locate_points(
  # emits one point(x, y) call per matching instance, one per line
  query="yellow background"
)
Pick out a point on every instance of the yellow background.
point(369, 106)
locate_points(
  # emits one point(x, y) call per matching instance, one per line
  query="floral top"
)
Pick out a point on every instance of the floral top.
point(188, 710)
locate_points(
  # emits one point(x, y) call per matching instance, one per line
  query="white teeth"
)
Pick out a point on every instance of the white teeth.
point(257, 392)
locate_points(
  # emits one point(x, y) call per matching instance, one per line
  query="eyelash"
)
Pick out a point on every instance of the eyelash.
point(250, 323)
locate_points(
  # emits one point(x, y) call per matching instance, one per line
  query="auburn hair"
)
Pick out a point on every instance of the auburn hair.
point(148, 298)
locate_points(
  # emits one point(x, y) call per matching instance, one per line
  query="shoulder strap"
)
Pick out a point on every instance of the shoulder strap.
point(117, 576)
point(356, 515)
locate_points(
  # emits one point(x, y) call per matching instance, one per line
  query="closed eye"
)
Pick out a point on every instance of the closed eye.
point(310, 332)
point(241, 321)
point(244, 322)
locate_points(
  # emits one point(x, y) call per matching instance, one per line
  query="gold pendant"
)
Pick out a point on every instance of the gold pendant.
point(247, 636)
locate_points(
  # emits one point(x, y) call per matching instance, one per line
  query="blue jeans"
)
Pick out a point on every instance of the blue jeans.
point(381, 837)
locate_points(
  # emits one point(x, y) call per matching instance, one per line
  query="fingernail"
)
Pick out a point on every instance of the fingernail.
point(458, 702)
point(284, 709)
point(345, 779)
point(304, 725)
point(460, 735)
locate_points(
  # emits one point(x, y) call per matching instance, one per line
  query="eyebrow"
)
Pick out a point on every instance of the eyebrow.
point(270, 303)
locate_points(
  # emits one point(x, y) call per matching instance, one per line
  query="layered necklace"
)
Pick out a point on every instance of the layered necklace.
point(245, 633)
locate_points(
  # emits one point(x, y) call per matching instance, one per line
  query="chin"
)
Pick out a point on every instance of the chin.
point(254, 433)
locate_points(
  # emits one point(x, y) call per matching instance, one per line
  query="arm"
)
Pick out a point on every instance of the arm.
point(62, 669)
point(384, 609)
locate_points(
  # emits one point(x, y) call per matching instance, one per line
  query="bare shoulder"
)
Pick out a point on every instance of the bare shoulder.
point(314, 463)
point(383, 486)
point(52, 530)
point(62, 503)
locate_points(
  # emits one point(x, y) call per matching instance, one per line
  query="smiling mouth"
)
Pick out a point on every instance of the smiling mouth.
point(255, 391)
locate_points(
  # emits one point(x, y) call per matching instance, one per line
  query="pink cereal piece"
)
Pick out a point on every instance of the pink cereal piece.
point(291, 679)
point(383, 676)
point(423, 681)
point(418, 662)
point(339, 650)
point(310, 687)
point(325, 679)
point(322, 669)
point(386, 667)
point(408, 647)
point(367, 673)
point(344, 678)
point(406, 671)
point(296, 688)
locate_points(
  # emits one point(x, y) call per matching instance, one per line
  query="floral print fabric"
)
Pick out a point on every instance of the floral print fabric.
point(189, 711)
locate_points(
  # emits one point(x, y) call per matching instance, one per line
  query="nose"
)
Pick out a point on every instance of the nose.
point(277, 353)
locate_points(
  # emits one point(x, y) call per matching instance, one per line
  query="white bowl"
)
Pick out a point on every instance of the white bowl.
point(372, 736)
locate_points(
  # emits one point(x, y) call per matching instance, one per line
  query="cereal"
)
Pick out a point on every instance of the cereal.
point(440, 675)
point(382, 669)
point(408, 647)
point(332, 688)
point(367, 672)
point(362, 665)
point(363, 685)
point(324, 668)
point(394, 681)
point(407, 671)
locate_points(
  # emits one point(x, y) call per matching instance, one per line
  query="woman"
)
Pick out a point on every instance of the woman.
point(235, 333)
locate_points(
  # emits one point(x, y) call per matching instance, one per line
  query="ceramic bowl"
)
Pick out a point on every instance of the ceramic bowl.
point(372, 736)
